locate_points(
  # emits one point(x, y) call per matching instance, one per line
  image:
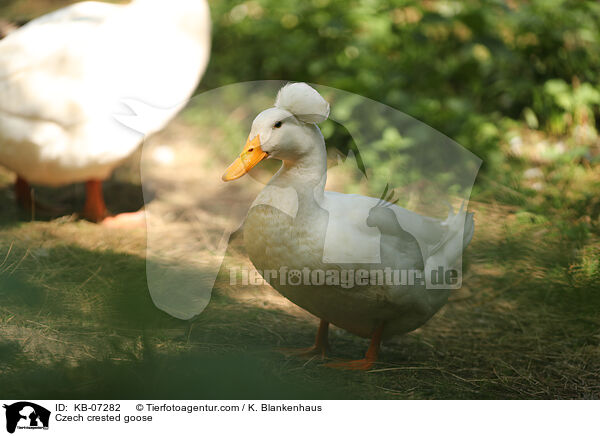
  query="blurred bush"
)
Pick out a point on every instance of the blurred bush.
point(466, 68)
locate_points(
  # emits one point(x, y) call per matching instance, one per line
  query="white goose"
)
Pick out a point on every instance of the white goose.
point(65, 75)
point(294, 224)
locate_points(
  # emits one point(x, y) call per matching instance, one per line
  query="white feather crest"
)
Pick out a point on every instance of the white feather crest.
point(303, 101)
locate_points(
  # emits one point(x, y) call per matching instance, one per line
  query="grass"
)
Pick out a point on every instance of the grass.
point(77, 321)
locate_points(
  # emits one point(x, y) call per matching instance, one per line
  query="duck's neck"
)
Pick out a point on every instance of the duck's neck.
point(307, 174)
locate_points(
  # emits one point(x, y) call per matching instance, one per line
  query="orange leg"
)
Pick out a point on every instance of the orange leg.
point(26, 200)
point(319, 349)
point(370, 357)
point(23, 193)
point(94, 208)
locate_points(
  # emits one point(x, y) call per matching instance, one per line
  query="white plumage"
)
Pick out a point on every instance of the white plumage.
point(296, 225)
point(63, 76)
point(304, 102)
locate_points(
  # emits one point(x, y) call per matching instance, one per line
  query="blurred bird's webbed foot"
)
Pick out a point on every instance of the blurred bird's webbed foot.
point(129, 220)
point(320, 347)
point(370, 357)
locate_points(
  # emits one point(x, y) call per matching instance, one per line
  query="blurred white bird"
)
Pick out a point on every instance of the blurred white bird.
point(65, 75)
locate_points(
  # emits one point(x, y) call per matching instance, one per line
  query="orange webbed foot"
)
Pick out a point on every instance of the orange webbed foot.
point(370, 357)
point(318, 349)
point(354, 365)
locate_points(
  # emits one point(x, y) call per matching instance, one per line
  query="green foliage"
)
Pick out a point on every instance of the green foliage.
point(461, 67)
point(570, 107)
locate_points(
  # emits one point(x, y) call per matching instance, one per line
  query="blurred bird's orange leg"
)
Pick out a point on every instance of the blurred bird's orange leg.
point(370, 357)
point(23, 193)
point(319, 349)
point(26, 200)
point(94, 209)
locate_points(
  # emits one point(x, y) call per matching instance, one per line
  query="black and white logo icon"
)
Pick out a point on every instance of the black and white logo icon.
point(26, 415)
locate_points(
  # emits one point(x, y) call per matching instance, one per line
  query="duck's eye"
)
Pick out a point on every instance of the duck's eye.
point(250, 150)
point(277, 125)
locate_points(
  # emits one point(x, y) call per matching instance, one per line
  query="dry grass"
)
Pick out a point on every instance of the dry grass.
point(76, 317)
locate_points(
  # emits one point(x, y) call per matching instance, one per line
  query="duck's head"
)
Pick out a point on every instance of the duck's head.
point(286, 132)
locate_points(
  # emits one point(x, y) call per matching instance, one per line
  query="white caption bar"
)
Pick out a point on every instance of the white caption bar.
point(292, 417)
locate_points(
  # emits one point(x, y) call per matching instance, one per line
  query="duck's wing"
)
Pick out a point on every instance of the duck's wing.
point(444, 250)
point(350, 240)
point(349, 212)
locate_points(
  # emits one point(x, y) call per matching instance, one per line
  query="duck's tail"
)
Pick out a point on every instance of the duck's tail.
point(447, 253)
point(468, 230)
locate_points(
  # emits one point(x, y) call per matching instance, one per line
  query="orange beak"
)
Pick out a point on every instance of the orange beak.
point(251, 155)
